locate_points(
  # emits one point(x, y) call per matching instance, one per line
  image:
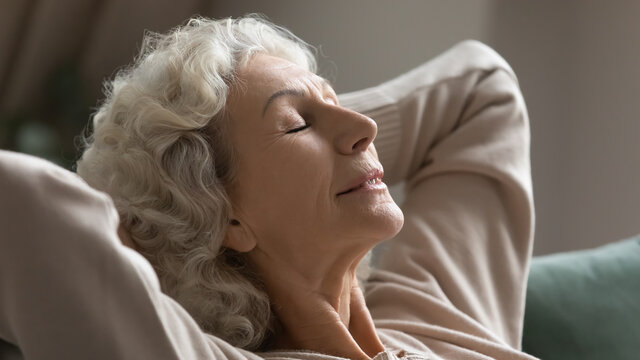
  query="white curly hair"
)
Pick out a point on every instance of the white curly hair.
point(159, 149)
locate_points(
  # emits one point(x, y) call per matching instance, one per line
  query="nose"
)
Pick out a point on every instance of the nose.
point(355, 132)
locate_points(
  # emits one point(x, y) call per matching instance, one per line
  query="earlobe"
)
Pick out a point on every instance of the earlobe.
point(238, 237)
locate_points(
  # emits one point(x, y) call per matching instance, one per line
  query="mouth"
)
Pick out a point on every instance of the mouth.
point(372, 179)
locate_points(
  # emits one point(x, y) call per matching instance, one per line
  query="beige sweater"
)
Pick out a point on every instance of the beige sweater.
point(451, 285)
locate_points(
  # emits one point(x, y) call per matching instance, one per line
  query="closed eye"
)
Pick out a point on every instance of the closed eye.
point(298, 129)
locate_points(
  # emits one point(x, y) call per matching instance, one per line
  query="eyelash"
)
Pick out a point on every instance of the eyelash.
point(298, 129)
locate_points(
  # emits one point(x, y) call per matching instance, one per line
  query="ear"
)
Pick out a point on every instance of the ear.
point(239, 237)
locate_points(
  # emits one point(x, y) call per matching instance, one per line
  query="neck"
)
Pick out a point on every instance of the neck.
point(324, 313)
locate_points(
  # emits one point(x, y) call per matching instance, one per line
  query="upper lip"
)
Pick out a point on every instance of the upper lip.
point(361, 179)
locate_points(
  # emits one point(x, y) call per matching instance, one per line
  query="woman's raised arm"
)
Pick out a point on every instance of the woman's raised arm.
point(456, 129)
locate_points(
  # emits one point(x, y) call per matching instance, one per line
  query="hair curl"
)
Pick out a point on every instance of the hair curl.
point(159, 149)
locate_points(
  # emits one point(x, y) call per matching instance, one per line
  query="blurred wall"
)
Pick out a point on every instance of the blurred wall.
point(578, 64)
point(96, 36)
point(577, 61)
point(365, 42)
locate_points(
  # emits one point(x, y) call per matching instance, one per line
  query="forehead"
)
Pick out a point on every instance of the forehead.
point(265, 74)
point(261, 77)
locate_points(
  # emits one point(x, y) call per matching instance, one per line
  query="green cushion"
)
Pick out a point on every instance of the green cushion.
point(585, 304)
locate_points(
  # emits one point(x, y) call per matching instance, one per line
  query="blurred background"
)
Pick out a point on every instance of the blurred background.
point(577, 61)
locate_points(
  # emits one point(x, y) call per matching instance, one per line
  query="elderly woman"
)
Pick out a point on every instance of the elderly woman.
point(254, 191)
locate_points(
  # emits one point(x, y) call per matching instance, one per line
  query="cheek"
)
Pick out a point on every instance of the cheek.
point(290, 185)
point(302, 181)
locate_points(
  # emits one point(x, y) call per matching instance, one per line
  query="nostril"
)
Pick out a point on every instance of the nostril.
point(360, 143)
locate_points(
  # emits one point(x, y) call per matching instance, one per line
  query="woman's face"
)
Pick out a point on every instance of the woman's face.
point(308, 175)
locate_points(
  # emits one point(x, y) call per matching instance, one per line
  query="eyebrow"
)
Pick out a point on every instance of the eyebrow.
point(283, 92)
point(290, 92)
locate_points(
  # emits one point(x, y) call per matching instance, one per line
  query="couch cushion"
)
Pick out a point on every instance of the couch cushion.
point(585, 304)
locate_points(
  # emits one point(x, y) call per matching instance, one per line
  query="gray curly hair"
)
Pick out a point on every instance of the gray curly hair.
point(159, 149)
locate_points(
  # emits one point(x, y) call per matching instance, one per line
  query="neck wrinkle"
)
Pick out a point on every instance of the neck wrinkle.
point(334, 323)
point(315, 305)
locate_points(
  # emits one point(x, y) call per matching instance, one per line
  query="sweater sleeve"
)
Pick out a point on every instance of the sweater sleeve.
point(69, 289)
point(456, 130)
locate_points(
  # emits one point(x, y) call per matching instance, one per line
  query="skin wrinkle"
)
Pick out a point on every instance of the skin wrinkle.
point(305, 241)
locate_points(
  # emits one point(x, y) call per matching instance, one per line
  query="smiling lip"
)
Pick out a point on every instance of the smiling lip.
point(361, 182)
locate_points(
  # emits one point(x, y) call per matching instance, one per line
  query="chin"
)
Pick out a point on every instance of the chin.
point(382, 222)
point(390, 219)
